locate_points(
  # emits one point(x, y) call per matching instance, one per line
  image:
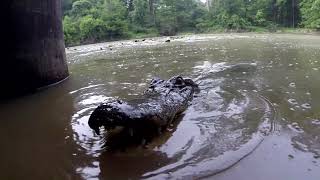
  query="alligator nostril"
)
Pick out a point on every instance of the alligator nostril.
point(97, 131)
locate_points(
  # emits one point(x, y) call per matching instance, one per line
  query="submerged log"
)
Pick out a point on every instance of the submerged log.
point(161, 103)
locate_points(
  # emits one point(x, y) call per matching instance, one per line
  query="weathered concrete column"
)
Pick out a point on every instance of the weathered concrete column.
point(35, 54)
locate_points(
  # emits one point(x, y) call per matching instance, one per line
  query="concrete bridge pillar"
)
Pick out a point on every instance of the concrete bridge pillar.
point(34, 54)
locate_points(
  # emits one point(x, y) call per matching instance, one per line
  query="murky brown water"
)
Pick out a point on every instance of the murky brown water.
point(253, 88)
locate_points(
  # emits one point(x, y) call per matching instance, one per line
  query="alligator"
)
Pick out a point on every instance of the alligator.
point(158, 107)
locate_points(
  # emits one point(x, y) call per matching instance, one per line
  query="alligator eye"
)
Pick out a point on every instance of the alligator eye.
point(155, 81)
point(179, 82)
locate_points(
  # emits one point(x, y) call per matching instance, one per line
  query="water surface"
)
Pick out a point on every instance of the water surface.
point(253, 88)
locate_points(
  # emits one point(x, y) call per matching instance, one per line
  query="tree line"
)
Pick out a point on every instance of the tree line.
point(89, 21)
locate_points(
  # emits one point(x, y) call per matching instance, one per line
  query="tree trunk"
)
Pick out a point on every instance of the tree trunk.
point(152, 11)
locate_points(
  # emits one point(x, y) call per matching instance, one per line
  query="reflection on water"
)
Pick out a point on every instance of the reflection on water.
point(251, 86)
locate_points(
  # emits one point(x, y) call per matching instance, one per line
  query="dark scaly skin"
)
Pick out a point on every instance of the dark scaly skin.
point(161, 103)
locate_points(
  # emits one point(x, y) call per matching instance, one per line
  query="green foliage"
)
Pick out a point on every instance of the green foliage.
point(167, 20)
point(89, 21)
point(232, 21)
point(310, 10)
point(114, 16)
point(272, 27)
point(71, 31)
point(91, 29)
point(260, 18)
point(140, 12)
point(81, 8)
point(179, 15)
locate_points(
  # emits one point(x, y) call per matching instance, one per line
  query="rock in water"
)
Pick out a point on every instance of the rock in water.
point(160, 104)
